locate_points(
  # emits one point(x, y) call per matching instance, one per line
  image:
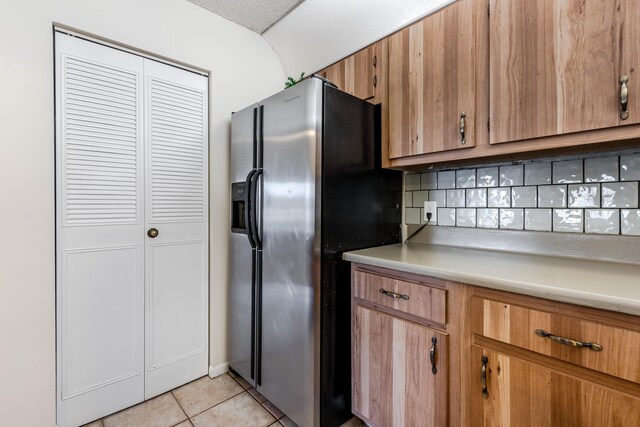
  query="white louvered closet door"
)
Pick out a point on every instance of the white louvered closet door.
point(176, 205)
point(131, 154)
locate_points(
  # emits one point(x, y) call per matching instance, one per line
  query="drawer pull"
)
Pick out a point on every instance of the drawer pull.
point(432, 355)
point(394, 294)
point(569, 342)
point(483, 377)
point(463, 139)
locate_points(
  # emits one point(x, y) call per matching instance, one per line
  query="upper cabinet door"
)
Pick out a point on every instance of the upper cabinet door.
point(356, 74)
point(556, 66)
point(432, 82)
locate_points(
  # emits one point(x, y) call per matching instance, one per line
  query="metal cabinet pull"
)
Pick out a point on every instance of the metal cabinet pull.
point(393, 294)
point(569, 342)
point(153, 233)
point(483, 377)
point(463, 139)
point(624, 97)
point(375, 60)
point(432, 355)
point(375, 81)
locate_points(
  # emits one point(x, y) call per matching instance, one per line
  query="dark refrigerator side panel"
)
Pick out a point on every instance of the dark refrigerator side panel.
point(360, 208)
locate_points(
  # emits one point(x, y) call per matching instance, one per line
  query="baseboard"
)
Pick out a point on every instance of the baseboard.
point(215, 371)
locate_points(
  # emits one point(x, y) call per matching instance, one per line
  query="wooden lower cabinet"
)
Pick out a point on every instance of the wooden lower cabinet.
point(521, 393)
point(394, 383)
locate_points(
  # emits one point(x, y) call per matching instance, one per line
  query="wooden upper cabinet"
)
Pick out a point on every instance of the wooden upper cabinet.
point(432, 81)
point(356, 74)
point(556, 65)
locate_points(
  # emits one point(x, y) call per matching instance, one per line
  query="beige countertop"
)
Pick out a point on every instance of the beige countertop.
point(599, 284)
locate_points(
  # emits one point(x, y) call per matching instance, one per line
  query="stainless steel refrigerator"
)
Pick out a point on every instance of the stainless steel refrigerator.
point(306, 186)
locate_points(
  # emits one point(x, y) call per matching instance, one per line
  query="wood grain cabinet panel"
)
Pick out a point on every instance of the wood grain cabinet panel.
point(432, 82)
point(393, 381)
point(522, 394)
point(555, 66)
point(421, 300)
point(516, 325)
point(357, 74)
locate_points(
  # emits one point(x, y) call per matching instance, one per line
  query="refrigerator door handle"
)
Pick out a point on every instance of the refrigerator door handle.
point(249, 208)
point(254, 209)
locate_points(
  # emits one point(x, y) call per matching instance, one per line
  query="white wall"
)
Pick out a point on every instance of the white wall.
point(244, 70)
point(320, 32)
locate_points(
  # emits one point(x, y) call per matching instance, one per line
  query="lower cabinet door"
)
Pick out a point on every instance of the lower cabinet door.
point(521, 393)
point(399, 371)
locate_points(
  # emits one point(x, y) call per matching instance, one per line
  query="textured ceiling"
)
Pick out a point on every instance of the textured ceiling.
point(256, 15)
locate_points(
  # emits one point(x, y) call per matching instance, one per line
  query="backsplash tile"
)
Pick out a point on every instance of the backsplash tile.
point(429, 181)
point(567, 172)
point(537, 219)
point(511, 175)
point(455, 198)
point(552, 196)
point(584, 196)
point(447, 216)
point(537, 173)
point(466, 178)
point(499, 197)
point(630, 222)
point(488, 218)
point(412, 182)
point(630, 168)
point(408, 199)
point(597, 195)
point(412, 216)
point(465, 217)
point(524, 197)
point(487, 177)
point(477, 198)
point(603, 169)
point(419, 197)
point(620, 195)
point(446, 179)
point(602, 221)
point(438, 196)
point(570, 220)
point(512, 219)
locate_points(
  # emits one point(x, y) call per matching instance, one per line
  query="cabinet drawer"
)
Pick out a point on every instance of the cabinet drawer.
point(517, 325)
point(418, 299)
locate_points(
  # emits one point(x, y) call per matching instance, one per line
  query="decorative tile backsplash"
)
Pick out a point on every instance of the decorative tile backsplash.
point(598, 195)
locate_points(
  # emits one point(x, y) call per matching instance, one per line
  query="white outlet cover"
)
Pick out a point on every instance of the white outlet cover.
point(431, 207)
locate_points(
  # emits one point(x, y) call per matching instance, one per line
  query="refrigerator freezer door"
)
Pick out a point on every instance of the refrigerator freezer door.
point(290, 251)
point(241, 317)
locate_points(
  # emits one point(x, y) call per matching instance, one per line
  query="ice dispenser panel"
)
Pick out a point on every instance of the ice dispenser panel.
point(238, 224)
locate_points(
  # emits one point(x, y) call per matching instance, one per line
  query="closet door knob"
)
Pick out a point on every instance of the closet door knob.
point(153, 233)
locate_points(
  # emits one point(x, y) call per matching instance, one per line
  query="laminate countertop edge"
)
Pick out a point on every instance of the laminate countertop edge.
point(605, 285)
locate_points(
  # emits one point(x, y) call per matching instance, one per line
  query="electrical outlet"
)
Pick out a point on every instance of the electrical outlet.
point(432, 208)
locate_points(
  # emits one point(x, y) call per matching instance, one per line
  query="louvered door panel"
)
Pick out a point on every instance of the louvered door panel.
point(176, 205)
point(99, 230)
point(100, 143)
point(177, 144)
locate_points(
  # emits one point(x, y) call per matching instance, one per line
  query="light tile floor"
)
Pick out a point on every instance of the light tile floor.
point(224, 401)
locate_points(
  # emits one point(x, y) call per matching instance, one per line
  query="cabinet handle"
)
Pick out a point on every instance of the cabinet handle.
point(463, 139)
point(153, 233)
point(569, 342)
point(624, 97)
point(432, 355)
point(483, 377)
point(375, 81)
point(393, 294)
point(375, 60)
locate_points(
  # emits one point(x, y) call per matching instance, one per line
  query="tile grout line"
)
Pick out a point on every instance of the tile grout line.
point(218, 404)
